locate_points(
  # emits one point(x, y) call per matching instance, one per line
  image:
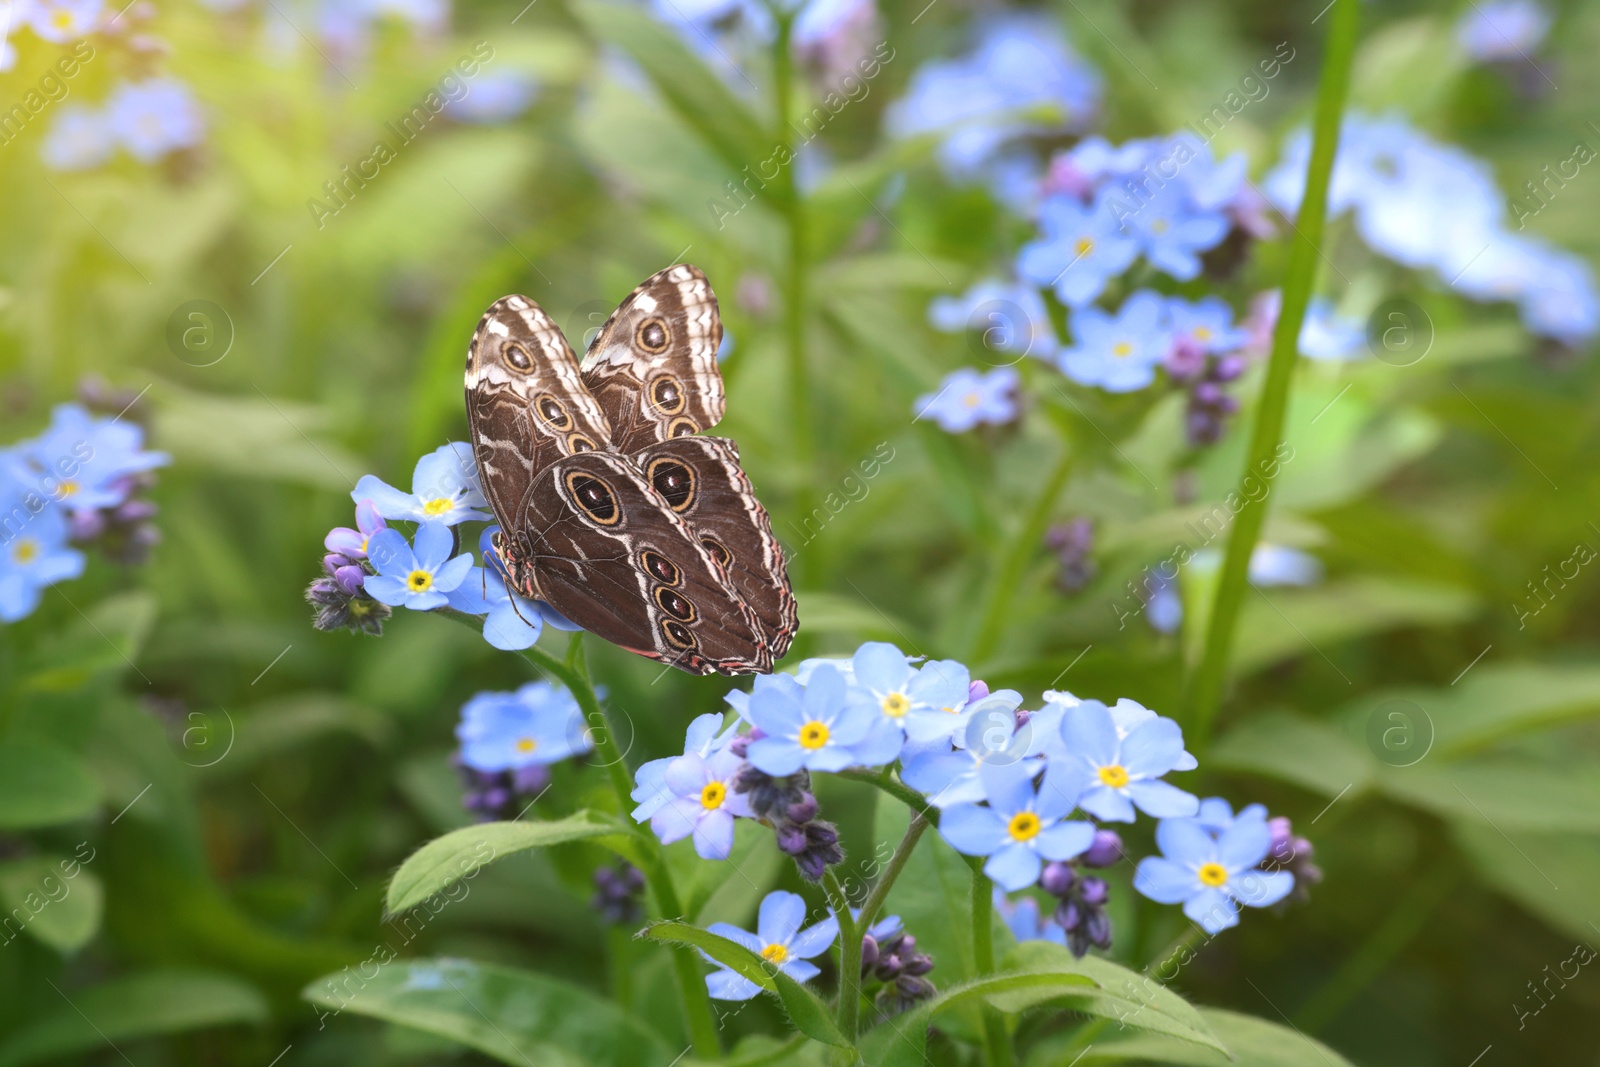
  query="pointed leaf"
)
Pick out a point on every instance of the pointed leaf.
point(41, 785)
point(62, 909)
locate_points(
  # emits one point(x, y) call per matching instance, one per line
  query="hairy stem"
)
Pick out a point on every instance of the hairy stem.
point(849, 956)
point(1204, 694)
point(897, 863)
point(996, 1043)
point(573, 672)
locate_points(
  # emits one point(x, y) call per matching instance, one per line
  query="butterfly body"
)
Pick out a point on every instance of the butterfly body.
point(613, 508)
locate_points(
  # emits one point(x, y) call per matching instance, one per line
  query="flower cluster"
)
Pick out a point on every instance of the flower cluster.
point(77, 482)
point(889, 955)
point(371, 569)
point(148, 119)
point(509, 741)
point(1028, 791)
point(1213, 862)
point(968, 398)
point(1427, 205)
point(1022, 79)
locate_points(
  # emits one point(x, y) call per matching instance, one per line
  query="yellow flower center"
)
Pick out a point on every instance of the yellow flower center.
point(1160, 226)
point(1122, 350)
point(1202, 333)
point(949, 711)
point(1114, 775)
point(712, 796)
point(1024, 826)
point(438, 506)
point(813, 735)
point(1084, 246)
point(1213, 874)
point(62, 19)
point(526, 744)
point(775, 954)
point(971, 400)
point(419, 581)
point(67, 488)
point(895, 705)
point(26, 551)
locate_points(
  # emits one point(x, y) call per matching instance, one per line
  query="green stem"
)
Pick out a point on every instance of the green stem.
point(849, 956)
point(620, 943)
point(899, 790)
point(897, 863)
point(1008, 574)
point(1205, 686)
point(794, 283)
point(996, 1043)
point(574, 674)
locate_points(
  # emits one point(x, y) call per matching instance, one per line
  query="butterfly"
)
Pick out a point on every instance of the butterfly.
point(614, 507)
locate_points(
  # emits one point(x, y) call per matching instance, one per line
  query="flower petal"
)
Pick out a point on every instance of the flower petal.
point(713, 835)
point(736, 935)
point(1152, 747)
point(453, 573)
point(1106, 803)
point(1213, 909)
point(389, 552)
point(386, 589)
point(726, 985)
point(1064, 840)
point(1164, 881)
point(1186, 841)
point(815, 939)
point(1260, 889)
point(1089, 733)
point(778, 756)
point(880, 667)
point(881, 745)
point(780, 917)
point(971, 829)
point(1009, 786)
point(512, 625)
point(1244, 843)
point(432, 544)
point(800, 970)
point(385, 499)
point(1014, 867)
point(1162, 800)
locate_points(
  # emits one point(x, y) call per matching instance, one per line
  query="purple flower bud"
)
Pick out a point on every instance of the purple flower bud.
point(1098, 927)
point(135, 511)
point(530, 780)
point(86, 525)
point(350, 579)
point(1282, 837)
point(740, 745)
point(1186, 361)
point(496, 797)
point(1106, 850)
point(977, 690)
point(1069, 915)
point(889, 968)
point(1228, 368)
point(1209, 393)
point(916, 965)
point(1094, 891)
point(869, 953)
point(804, 809)
point(791, 840)
point(1057, 879)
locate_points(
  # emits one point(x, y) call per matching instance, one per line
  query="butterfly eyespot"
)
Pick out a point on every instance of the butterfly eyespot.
point(682, 426)
point(675, 604)
point(718, 552)
point(593, 497)
point(553, 412)
point(653, 336)
point(516, 355)
point(674, 481)
point(677, 634)
point(579, 443)
point(666, 395)
point(660, 567)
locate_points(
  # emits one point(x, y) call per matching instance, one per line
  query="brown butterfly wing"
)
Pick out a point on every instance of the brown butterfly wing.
point(653, 365)
point(526, 404)
point(609, 553)
point(702, 482)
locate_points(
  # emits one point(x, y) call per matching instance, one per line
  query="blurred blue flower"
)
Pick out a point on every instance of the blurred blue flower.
point(1276, 565)
point(537, 724)
point(702, 803)
point(84, 461)
point(704, 738)
point(817, 728)
point(1123, 772)
point(444, 488)
point(1171, 233)
point(925, 703)
point(1210, 868)
point(1021, 79)
point(1216, 815)
point(778, 940)
point(494, 97)
point(79, 138)
point(1027, 921)
point(1021, 826)
point(419, 578)
point(1207, 323)
point(948, 774)
point(1502, 29)
point(1119, 353)
point(1009, 316)
point(1081, 248)
point(1326, 334)
point(154, 117)
point(56, 21)
point(967, 399)
point(33, 555)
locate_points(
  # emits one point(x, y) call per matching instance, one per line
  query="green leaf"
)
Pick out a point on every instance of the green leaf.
point(805, 1010)
point(1252, 1042)
point(106, 638)
point(695, 93)
point(62, 909)
point(254, 436)
point(461, 853)
point(1295, 749)
point(158, 1002)
point(518, 1017)
point(1042, 973)
point(1507, 795)
point(41, 785)
point(932, 895)
point(1553, 876)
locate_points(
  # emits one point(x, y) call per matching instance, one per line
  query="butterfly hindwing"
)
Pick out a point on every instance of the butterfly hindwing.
point(607, 552)
point(653, 365)
point(702, 482)
point(526, 404)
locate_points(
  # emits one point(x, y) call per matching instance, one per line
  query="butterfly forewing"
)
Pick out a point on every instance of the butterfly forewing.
point(526, 404)
point(612, 558)
point(702, 482)
point(653, 365)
